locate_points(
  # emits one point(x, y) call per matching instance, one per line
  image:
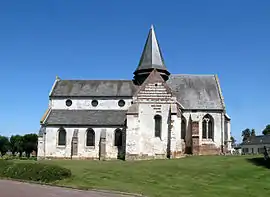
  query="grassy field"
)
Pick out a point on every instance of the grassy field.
point(202, 176)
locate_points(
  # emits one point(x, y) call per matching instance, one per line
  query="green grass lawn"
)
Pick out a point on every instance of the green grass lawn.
point(201, 176)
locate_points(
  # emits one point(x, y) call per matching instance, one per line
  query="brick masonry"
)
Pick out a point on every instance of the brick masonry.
point(195, 138)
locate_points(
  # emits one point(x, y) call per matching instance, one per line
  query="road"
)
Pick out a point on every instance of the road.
point(19, 189)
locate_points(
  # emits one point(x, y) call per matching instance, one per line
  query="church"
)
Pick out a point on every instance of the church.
point(155, 115)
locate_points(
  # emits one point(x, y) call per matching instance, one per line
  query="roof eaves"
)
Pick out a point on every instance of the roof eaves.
point(45, 116)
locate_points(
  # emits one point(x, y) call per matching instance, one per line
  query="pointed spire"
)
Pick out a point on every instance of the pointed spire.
point(151, 57)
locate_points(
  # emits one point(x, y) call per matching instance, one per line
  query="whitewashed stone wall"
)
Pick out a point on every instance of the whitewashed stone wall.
point(227, 133)
point(41, 148)
point(176, 142)
point(48, 145)
point(141, 138)
point(83, 104)
point(133, 136)
point(198, 116)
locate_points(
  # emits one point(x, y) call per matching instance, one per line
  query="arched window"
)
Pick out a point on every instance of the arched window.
point(62, 137)
point(118, 137)
point(90, 137)
point(208, 127)
point(158, 125)
point(204, 129)
point(183, 128)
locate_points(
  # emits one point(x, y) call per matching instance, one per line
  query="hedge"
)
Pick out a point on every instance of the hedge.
point(33, 171)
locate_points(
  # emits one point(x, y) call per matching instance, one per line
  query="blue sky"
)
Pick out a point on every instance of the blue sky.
point(104, 40)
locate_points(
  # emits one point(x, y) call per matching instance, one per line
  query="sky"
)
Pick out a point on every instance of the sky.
point(104, 40)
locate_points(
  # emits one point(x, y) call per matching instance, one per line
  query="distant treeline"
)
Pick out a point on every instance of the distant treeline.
point(19, 144)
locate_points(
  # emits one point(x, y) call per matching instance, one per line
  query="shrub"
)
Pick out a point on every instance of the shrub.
point(27, 158)
point(11, 157)
point(33, 171)
point(6, 157)
point(4, 164)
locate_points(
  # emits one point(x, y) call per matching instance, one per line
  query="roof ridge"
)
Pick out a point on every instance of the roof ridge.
point(259, 135)
point(96, 79)
point(193, 75)
point(87, 110)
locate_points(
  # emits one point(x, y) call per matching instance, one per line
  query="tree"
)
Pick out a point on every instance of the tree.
point(253, 133)
point(30, 143)
point(246, 134)
point(4, 145)
point(233, 140)
point(16, 144)
point(266, 131)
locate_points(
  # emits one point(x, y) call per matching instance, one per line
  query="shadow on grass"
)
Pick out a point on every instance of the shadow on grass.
point(259, 161)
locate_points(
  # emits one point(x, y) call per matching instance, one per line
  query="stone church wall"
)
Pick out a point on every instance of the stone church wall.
point(206, 146)
point(177, 144)
point(50, 148)
point(85, 104)
point(141, 140)
point(227, 137)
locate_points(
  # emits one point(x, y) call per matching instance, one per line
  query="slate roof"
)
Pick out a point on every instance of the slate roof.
point(191, 91)
point(196, 91)
point(86, 117)
point(257, 140)
point(151, 56)
point(94, 88)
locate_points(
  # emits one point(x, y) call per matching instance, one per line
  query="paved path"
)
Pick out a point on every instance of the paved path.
point(19, 189)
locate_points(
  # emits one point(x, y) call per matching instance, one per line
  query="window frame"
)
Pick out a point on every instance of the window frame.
point(208, 128)
point(69, 101)
point(183, 133)
point(158, 127)
point(94, 101)
point(121, 101)
point(93, 140)
point(61, 129)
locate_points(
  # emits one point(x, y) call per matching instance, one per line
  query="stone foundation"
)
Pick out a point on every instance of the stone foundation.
point(176, 154)
point(67, 158)
point(145, 157)
point(209, 149)
point(183, 143)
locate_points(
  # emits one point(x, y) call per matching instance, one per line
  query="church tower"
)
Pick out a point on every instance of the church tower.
point(151, 59)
